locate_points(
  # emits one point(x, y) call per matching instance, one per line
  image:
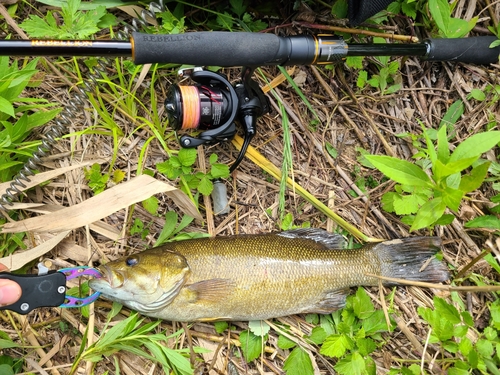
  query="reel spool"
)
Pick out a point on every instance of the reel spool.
point(210, 105)
point(213, 105)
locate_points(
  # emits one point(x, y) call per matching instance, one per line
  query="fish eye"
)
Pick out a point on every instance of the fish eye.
point(131, 261)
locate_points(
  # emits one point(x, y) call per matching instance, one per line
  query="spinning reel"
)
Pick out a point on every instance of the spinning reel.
point(214, 106)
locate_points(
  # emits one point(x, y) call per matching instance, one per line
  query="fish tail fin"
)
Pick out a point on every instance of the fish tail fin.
point(412, 259)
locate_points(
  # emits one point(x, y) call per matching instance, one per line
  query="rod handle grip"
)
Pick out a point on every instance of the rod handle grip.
point(221, 48)
point(473, 50)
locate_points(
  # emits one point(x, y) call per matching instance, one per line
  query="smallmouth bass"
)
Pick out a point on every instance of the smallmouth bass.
point(255, 277)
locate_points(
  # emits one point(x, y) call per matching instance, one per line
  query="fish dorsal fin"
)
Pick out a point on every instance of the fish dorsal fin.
point(210, 290)
point(327, 239)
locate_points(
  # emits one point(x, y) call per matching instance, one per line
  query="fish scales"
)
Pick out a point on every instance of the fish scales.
point(252, 277)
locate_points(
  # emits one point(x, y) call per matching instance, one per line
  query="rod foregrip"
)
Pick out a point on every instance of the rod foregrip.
point(473, 50)
point(219, 48)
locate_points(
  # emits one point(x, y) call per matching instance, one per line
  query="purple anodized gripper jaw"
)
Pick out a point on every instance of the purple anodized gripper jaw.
point(74, 272)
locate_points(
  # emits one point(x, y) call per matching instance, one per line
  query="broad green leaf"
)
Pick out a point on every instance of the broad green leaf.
point(285, 343)
point(387, 201)
point(219, 170)
point(465, 346)
point(168, 228)
point(353, 364)
point(205, 186)
point(458, 28)
point(475, 179)
point(336, 345)
point(187, 156)
point(366, 346)
point(477, 94)
point(457, 371)
point(251, 345)
point(475, 145)
point(318, 335)
point(443, 147)
point(375, 323)
point(444, 170)
point(400, 171)
point(6, 370)
point(428, 214)
point(151, 205)
point(6, 344)
point(6, 107)
point(362, 304)
point(440, 12)
point(446, 310)
point(406, 204)
point(485, 221)
point(452, 198)
point(298, 363)
point(452, 115)
point(259, 327)
point(485, 348)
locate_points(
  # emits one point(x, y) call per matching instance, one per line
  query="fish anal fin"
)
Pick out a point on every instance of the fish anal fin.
point(210, 290)
point(332, 301)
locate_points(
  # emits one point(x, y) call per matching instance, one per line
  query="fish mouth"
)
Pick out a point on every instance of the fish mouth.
point(114, 278)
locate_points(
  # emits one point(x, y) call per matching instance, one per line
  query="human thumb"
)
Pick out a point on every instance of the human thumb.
point(10, 292)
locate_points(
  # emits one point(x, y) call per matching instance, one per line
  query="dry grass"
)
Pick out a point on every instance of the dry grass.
point(349, 119)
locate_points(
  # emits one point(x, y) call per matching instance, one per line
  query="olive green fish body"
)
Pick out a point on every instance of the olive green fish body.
point(253, 277)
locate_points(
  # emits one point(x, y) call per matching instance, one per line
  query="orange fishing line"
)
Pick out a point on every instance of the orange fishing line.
point(191, 112)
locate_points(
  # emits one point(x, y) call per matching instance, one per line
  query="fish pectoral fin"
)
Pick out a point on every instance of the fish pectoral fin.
point(210, 290)
point(332, 301)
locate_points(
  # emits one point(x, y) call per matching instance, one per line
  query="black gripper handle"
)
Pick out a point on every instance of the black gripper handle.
point(47, 290)
point(221, 48)
point(473, 50)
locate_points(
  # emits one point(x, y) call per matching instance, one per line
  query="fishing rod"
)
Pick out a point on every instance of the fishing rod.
point(212, 104)
point(228, 49)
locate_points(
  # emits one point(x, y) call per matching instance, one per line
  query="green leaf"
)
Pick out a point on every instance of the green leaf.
point(259, 327)
point(6, 344)
point(6, 107)
point(407, 204)
point(220, 326)
point(285, 343)
point(485, 221)
point(353, 364)
point(205, 186)
point(298, 363)
point(318, 335)
point(475, 145)
point(465, 346)
point(187, 156)
point(476, 177)
point(6, 370)
point(485, 348)
point(454, 112)
point(332, 151)
point(171, 218)
point(238, 7)
point(339, 9)
point(336, 345)
point(151, 205)
point(362, 304)
point(444, 170)
point(440, 12)
point(400, 171)
point(366, 346)
point(477, 94)
point(428, 214)
point(219, 170)
point(458, 28)
point(213, 158)
point(251, 345)
point(375, 323)
point(452, 198)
